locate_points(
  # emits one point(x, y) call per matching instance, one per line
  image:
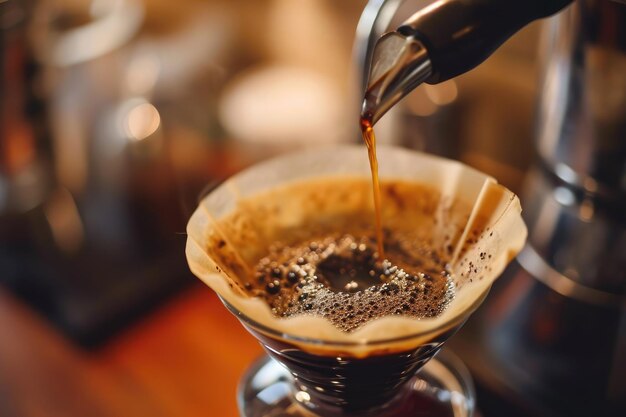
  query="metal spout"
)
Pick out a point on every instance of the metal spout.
point(460, 34)
point(399, 64)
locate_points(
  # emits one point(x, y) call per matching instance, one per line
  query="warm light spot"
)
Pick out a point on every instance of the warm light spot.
point(564, 196)
point(303, 397)
point(442, 94)
point(281, 105)
point(586, 210)
point(142, 121)
point(420, 104)
point(142, 74)
point(426, 100)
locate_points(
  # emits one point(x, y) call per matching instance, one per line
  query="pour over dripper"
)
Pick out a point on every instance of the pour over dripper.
point(337, 385)
point(367, 370)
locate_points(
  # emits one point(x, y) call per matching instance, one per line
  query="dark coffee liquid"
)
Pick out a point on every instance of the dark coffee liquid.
point(378, 385)
point(342, 279)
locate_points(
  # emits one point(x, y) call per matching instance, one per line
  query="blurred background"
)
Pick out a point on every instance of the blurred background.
point(117, 115)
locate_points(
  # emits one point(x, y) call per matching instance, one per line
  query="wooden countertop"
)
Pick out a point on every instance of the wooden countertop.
point(183, 360)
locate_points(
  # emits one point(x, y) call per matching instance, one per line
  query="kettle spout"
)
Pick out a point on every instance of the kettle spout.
point(398, 65)
point(459, 34)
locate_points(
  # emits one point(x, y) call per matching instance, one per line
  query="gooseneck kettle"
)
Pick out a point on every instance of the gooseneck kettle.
point(552, 335)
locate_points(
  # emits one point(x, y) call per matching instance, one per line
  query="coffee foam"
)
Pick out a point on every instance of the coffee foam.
point(341, 278)
point(443, 201)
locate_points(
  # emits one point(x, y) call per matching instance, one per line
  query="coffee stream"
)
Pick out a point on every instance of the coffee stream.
point(369, 138)
point(351, 279)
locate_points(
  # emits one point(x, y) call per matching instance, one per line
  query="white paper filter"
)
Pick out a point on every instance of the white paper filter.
point(243, 227)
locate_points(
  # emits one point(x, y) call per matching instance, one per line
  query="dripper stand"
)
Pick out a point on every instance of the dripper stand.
point(443, 387)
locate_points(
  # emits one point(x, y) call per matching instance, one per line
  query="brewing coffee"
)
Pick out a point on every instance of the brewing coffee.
point(350, 279)
point(298, 229)
point(342, 278)
point(329, 265)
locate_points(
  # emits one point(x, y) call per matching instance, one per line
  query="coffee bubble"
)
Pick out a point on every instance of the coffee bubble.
point(341, 278)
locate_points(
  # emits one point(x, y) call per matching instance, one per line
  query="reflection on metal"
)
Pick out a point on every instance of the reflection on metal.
point(530, 260)
point(64, 220)
point(564, 196)
point(399, 64)
point(582, 114)
point(374, 21)
point(303, 397)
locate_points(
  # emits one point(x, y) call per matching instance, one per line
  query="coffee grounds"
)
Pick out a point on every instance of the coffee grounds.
point(342, 279)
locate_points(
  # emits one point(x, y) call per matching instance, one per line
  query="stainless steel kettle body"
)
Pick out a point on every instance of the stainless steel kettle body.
point(555, 328)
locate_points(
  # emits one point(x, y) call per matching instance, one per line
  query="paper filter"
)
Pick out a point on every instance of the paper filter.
point(476, 220)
